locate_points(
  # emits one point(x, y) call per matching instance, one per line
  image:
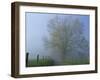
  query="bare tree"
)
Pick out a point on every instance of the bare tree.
point(65, 34)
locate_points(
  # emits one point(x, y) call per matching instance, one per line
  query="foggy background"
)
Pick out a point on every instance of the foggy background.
point(37, 29)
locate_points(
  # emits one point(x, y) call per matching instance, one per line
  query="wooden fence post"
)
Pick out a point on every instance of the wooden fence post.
point(27, 56)
point(37, 57)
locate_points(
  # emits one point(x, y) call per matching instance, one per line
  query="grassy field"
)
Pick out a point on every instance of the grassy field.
point(40, 62)
point(75, 62)
point(49, 62)
point(45, 61)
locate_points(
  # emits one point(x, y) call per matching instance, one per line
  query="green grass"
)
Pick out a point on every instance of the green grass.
point(75, 62)
point(49, 62)
point(40, 62)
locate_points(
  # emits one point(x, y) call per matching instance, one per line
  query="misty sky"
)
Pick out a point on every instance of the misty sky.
point(36, 29)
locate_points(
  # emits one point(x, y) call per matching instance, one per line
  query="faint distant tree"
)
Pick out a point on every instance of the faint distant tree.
point(65, 34)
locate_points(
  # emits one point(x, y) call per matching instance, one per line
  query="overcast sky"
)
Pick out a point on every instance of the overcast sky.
point(36, 29)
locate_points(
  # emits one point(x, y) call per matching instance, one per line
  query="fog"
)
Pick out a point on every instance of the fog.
point(37, 29)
